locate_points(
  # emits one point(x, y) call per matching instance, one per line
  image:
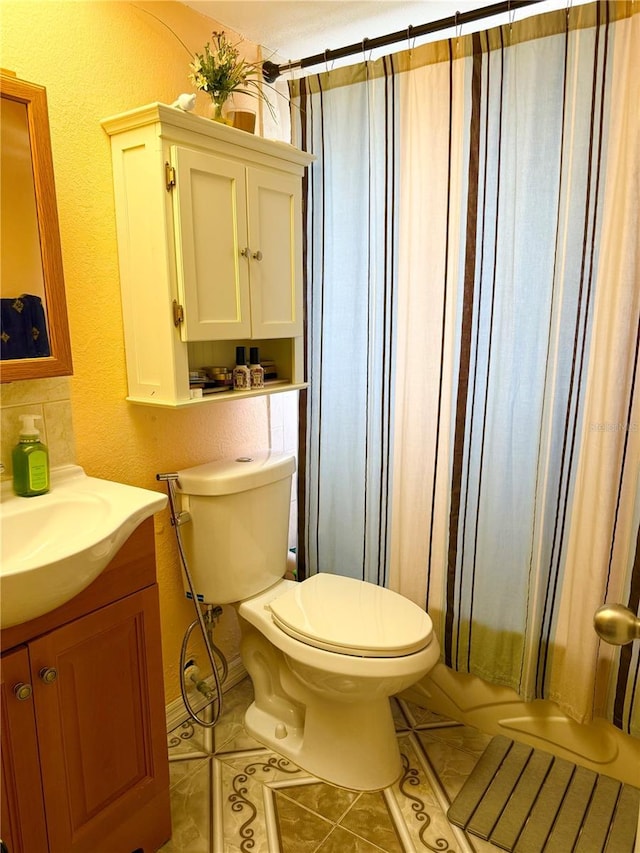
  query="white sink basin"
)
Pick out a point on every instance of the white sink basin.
point(55, 545)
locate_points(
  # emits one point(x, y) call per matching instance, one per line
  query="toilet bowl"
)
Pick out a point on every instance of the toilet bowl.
point(326, 710)
point(326, 654)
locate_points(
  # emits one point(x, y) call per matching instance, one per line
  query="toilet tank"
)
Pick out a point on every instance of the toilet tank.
point(236, 542)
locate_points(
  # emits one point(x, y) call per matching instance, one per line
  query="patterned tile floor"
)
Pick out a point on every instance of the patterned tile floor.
point(231, 795)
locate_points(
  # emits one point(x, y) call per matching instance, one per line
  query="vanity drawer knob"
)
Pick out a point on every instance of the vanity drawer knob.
point(257, 255)
point(48, 674)
point(22, 691)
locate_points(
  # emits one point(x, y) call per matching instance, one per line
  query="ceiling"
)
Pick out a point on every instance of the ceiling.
point(292, 29)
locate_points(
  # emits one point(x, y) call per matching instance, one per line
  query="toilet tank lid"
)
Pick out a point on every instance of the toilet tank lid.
point(228, 476)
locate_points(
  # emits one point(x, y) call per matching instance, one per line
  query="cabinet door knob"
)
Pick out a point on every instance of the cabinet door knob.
point(48, 674)
point(257, 256)
point(246, 252)
point(22, 691)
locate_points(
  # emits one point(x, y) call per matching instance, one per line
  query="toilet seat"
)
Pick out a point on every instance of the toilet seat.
point(351, 617)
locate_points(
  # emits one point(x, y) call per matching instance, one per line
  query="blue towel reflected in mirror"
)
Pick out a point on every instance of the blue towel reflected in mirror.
point(23, 332)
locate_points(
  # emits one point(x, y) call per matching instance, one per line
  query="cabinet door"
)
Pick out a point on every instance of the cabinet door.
point(210, 216)
point(23, 828)
point(275, 223)
point(102, 740)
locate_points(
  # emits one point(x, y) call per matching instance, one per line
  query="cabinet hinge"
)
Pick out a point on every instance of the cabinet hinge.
point(169, 176)
point(178, 313)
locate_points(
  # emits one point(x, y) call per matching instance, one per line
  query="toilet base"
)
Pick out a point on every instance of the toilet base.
point(351, 745)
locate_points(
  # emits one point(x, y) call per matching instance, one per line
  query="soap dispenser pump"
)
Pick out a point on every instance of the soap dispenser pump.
point(30, 460)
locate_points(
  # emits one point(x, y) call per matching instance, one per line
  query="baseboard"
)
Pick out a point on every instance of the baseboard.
point(176, 713)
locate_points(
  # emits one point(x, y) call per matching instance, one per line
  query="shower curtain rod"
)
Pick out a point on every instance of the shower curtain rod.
point(271, 70)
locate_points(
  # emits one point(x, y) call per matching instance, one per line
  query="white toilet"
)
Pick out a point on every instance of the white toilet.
point(325, 654)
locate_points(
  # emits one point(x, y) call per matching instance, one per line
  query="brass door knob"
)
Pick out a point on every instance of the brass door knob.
point(616, 624)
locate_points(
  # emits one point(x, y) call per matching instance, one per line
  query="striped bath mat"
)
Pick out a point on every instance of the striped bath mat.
point(527, 801)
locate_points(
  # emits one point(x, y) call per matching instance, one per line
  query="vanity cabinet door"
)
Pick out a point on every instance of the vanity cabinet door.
point(23, 828)
point(102, 748)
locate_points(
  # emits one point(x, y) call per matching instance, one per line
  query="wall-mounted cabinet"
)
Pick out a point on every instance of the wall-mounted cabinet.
point(210, 245)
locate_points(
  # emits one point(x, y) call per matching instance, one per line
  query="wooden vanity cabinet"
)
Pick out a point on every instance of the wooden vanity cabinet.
point(209, 224)
point(84, 755)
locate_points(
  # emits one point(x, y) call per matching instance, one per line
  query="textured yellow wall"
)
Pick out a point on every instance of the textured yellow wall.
point(98, 59)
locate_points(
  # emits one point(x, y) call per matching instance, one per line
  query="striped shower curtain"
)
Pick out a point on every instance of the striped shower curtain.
point(472, 424)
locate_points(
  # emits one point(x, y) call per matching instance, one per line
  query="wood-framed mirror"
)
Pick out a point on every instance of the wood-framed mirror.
point(35, 331)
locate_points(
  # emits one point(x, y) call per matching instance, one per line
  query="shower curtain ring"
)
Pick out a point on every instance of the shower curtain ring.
point(458, 31)
point(365, 41)
point(512, 17)
point(326, 61)
point(411, 39)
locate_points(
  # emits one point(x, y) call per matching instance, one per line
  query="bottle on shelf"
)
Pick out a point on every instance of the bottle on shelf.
point(241, 374)
point(255, 368)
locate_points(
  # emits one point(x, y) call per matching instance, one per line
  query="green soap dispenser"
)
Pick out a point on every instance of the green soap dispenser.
point(30, 460)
